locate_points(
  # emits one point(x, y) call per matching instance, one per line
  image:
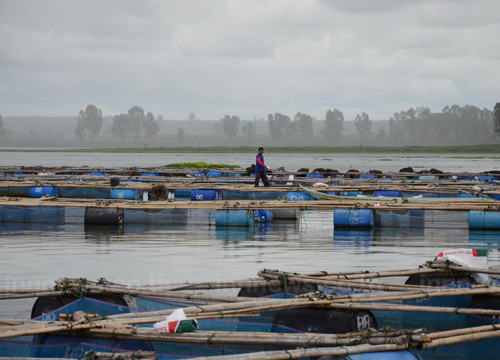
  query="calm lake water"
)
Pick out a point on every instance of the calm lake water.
point(34, 255)
point(291, 162)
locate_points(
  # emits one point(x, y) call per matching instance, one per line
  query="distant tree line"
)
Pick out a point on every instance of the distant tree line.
point(134, 125)
point(415, 126)
point(465, 125)
point(4, 133)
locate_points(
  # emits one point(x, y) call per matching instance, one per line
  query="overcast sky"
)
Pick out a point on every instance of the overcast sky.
point(247, 57)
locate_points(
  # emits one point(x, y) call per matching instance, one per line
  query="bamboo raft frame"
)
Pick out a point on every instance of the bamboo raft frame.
point(457, 204)
point(120, 326)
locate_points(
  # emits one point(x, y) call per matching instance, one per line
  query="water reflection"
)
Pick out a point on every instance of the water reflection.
point(485, 238)
point(98, 233)
point(230, 234)
point(364, 238)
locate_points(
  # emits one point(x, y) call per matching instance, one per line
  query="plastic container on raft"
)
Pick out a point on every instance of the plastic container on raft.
point(103, 216)
point(298, 196)
point(40, 191)
point(243, 218)
point(212, 173)
point(182, 193)
point(125, 194)
point(204, 195)
point(484, 219)
point(486, 177)
point(262, 216)
point(387, 193)
point(315, 176)
point(359, 218)
point(349, 193)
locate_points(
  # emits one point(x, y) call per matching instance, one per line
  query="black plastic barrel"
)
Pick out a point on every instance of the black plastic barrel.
point(486, 302)
point(114, 181)
point(328, 321)
point(106, 216)
point(440, 280)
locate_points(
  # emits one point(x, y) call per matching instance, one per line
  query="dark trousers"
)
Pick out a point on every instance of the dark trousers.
point(261, 174)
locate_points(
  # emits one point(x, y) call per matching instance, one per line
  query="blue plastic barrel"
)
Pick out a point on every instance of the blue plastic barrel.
point(484, 219)
point(353, 218)
point(98, 173)
point(234, 218)
point(13, 214)
point(150, 174)
point(494, 196)
point(204, 194)
point(315, 176)
point(349, 193)
point(234, 195)
point(212, 173)
point(388, 193)
point(45, 214)
point(262, 216)
point(125, 194)
point(427, 177)
point(18, 173)
point(182, 193)
point(367, 176)
point(197, 174)
point(233, 175)
point(431, 195)
point(298, 196)
point(465, 195)
point(40, 191)
point(486, 177)
point(465, 177)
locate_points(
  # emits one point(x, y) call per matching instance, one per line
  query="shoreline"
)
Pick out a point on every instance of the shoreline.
point(474, 149)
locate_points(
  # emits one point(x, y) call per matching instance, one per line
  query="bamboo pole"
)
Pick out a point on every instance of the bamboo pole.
point(458, 332)
point(340, 283)
point(249, 338)
point(358, 274)
point(310, 352)
point(161, 293)
point(443, 265)
point(461, 339)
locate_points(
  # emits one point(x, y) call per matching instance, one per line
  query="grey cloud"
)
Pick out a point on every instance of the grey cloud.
point(246, 57)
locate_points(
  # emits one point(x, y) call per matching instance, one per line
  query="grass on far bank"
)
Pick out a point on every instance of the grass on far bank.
point(478, 149)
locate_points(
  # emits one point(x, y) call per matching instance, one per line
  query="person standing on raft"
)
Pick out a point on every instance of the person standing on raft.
point(260, 169)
